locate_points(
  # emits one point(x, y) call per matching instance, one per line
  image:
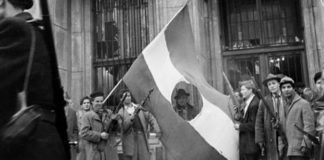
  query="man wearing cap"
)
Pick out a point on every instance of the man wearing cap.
point(299, 113)
point(266, 136)
point(49, 138)
point(182, 107)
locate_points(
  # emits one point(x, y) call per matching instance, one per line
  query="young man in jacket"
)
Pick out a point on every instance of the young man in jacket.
point(300, 114)
point(94, 130)
point(249, 150)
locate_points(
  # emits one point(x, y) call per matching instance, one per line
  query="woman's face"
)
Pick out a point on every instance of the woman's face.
point(128, 98)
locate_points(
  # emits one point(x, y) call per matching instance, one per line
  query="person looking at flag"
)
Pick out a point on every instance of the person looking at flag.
point(299, 114)
point(135, 129)
point(266, 134)
point(48, 139)
point(249, 150)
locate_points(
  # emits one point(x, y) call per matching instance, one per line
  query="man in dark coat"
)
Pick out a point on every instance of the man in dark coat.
point(49, 138)
point(299, 113)
point(182, 107)
point(249, 150)
point(266, 134)
point(72, 127)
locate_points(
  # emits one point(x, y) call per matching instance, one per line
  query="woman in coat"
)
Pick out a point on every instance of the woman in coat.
point(135, 130)
point(246, 126)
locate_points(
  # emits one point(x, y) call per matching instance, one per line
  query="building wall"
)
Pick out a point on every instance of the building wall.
point(206, 29)
point(207, 32)
point(313, 16)
point(72, 29)
point(73, 40)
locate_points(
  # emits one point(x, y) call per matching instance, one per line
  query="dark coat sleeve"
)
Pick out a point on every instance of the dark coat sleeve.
point(259, 125)
point(249, 125)
point(15, 41)
point(72, 124)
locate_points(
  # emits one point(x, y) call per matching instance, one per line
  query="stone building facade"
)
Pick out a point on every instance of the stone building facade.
point(223, 32)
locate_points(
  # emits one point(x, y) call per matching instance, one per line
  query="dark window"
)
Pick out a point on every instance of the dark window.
point(287, 64)
point(259, 23)
point(242, 68)
point(121, 32)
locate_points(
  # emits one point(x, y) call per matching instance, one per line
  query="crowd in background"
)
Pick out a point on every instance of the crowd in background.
point(285, 124)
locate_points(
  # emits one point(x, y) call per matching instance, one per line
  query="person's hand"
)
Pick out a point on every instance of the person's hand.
point(237, 126)
point(104, 135)
point(304, 150)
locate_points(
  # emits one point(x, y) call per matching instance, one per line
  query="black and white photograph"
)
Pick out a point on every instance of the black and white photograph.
point(161, 80)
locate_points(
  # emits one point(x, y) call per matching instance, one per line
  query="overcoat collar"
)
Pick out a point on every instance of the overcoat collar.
point(296, 99)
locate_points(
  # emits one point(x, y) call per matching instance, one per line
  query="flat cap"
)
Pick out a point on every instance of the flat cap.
point(287, 79)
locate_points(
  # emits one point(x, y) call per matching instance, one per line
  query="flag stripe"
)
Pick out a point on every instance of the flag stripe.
point(180, 139)
point(167, 60)
point(218, 130)
point(190, 64)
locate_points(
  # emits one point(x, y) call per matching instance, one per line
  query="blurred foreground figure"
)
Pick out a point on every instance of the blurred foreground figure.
point(47, 138)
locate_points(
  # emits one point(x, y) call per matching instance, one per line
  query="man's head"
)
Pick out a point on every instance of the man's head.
point(247, 88)
point(85, 103)
point(287, 86)
point(181, 97)
point(317, 81)
point(9, 8)
point(97, 99)
point(272, 83)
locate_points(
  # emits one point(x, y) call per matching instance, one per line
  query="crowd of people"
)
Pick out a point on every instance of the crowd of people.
point(95, 130)
point(286, 124)
point(100, 130)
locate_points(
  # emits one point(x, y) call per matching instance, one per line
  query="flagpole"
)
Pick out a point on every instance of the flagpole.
point(112, 91)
